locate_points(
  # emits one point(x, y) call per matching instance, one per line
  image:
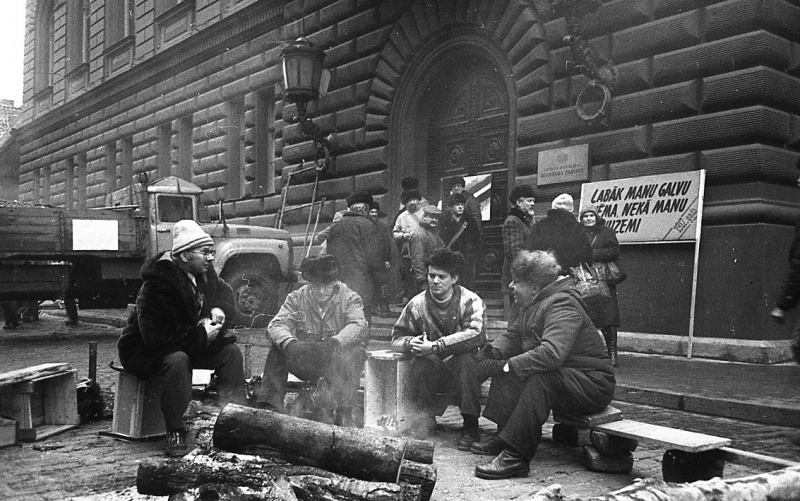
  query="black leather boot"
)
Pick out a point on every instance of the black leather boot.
point(507, 464)
point(610, 334)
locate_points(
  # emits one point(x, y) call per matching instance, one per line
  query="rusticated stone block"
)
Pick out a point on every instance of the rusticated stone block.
point(652, 166)
point(757, 48)
point(555, 31)
point(357, 71)
point(377, 122)
point(658, 104)
point(248, 207)
point(373, 182)
point(418, 12)
point(373, 41)
point(611, 445)
point(530, 39)
point(295, 153)
point(615, 145)
point(351, 118)
point(733, 17)
point(593, 460)
point(672, 33)
point(375, 138)
point(562, 59)
point(529, 67)
point(550, 126)
point(536, 102)
point(518, 30)
point(745, 125)
point(361, 161)
point(338, 99)
point(560, 91)
point(336, 12)
point(508, 30)
point(411, 30)
point(633, 76)
point(378, 105)
point(341, 54)
point(494, 17)
point(567, 435)
point(759, 85)
point(528, 156)
point(618, 15)
point(753, 161)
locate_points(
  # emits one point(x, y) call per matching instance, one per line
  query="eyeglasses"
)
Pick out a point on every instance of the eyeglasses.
point(206, 253)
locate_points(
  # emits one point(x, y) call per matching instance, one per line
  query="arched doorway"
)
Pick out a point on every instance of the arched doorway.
point(468, 135)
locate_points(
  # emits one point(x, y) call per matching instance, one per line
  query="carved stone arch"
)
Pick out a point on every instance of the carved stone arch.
point(507, 34)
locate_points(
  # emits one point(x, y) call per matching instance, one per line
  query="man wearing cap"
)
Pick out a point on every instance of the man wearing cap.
point(320, 336)
point(561, 233)
point(183, 312)
point(422, 243)
point(352, 240)
point(461, 233)
point(458, 186)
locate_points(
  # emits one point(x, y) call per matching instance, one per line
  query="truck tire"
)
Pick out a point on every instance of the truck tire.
point(255, 295)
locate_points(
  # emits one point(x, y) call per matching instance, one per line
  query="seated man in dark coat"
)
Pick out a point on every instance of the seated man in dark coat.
point(183, 312)
point(320, 336)
point(551, 358)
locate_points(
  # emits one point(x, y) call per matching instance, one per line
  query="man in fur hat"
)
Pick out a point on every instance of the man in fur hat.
point(561, 233)
point(181, 321)
point(442, 328)
point(352, 240)
point(320, 336)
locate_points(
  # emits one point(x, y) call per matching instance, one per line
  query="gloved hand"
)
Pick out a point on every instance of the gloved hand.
point(212, 329)
point(488, 368)
point(487, 352)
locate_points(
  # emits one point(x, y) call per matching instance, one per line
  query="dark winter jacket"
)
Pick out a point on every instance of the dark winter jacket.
point(605, 248)
point(561, 233)
point(423, 242)
point(353, 240)
point(554, 331)
point(167, 314)
point(516, 229)
point(468, 242)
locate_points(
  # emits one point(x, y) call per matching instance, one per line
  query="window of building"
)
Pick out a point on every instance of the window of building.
point(77, 33)
point(111, 167)
point(127, 161)
point(118, 20)
point(43, 46)
point(235, 131)
point(164, 158)
point(185, 129)
point(69, 184)
point(80, 175)
point(265, 143)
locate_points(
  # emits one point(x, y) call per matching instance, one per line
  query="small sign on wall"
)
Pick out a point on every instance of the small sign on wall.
point(95, 234)
point(563, 165)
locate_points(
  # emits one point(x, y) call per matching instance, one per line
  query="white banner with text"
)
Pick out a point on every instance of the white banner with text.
point(661, 208)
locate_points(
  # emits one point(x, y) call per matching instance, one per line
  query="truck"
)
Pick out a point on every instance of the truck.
point(95, 255)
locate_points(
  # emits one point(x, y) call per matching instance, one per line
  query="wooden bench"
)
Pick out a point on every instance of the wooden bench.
point(42, 400)
point(607, 442)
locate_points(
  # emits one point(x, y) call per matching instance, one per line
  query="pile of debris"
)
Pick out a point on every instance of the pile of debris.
point(241, 453)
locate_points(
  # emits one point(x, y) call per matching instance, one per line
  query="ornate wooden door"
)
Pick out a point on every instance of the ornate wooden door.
point(468, 135)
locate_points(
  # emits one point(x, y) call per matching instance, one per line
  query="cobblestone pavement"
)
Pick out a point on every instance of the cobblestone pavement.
point(81, 464)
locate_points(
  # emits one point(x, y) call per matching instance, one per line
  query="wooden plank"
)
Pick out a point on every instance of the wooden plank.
point(44, 431)
point(607, 415)
point(30, 373)
point(386, 355)
point(673, 438)
point(744, 457)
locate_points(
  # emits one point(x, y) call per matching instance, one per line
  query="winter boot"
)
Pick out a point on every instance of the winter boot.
point(610, 334)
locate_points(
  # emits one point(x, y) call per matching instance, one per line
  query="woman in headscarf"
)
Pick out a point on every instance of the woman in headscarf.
point(605, 248)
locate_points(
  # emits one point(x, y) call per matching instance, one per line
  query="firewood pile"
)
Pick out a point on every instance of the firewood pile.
point(241, 453)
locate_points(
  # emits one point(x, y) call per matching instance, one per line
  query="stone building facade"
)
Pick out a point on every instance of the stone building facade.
point(432, 89)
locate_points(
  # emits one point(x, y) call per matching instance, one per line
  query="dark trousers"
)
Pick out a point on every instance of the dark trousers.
point(521, 406)
point(176, 381)
point(343, 375)
point(431, 375)
point(407, 281)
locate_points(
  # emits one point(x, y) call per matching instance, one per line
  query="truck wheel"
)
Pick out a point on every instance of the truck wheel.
point(255, 295)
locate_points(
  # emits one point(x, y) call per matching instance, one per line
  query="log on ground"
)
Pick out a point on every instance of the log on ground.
point(347, 451)
point(235, 476)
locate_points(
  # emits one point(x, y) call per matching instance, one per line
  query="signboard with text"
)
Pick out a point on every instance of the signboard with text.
point(563, 165)
point(661, 208)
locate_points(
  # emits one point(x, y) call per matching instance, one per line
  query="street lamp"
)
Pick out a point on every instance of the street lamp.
point(302, 68)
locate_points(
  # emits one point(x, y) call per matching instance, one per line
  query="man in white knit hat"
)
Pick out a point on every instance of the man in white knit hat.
point(180, 323)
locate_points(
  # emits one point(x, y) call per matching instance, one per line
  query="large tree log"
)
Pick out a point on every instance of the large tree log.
point(348, 451)
point(233, 476)
point(780, 485)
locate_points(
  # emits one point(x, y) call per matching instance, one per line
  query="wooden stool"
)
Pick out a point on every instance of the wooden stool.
point(137, 408)
point(42, 400)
